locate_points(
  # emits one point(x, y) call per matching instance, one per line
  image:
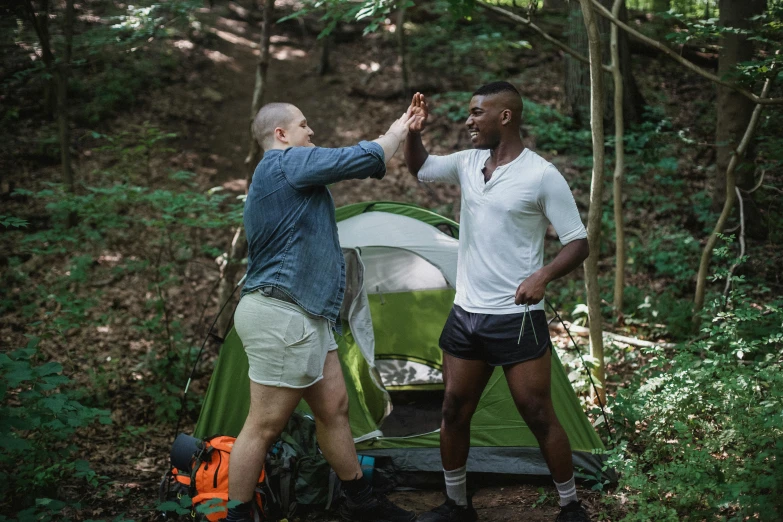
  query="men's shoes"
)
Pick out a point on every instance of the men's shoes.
point(373, 507)
point(573, 512)
point(449, 511)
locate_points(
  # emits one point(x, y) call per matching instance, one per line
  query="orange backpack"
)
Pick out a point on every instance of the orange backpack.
point(207, 482)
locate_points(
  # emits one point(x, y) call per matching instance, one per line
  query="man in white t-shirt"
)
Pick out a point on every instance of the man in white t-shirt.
point(509, 196)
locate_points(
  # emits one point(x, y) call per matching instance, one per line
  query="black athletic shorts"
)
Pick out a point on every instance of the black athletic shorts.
point(495, 338)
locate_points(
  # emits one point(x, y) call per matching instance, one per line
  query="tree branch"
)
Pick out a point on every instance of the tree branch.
point(676, 57)
point(524, 21)
point(46, 50)
point(758, 185)
point(254, 150)
point(741, 241)
point(731, 183)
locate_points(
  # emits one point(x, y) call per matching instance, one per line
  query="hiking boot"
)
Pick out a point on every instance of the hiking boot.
point(449, 511)
point(573, 512)
point(373, 507)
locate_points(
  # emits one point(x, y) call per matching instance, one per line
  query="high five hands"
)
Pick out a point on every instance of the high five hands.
point(419, 112)
point(401, 126)
point(413, 120)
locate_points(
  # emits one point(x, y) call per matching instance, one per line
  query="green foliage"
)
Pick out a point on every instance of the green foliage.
point(334, 12)
point(666, 252)
point(479, 49)
point(111, 60)
point(107, 216)
point(453, 105)
point(766, 31)
point(554, 131)
point(11, 221)
point(39, 419)
point(667, 313)
point(701, 425)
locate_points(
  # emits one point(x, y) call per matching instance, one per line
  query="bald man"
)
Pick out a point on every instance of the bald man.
point(291, 301)
point(509, 196)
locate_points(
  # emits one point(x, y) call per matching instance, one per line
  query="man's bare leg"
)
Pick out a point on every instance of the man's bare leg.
point(328, 399)
point(270, 409)
point(464, 381)
point(530, 385)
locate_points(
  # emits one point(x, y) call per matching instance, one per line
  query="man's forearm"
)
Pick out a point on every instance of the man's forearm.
point(571, 256)
point(389, 143)
point(415, 153)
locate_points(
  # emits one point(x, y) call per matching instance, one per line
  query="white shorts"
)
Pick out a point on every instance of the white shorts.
point(285, 346)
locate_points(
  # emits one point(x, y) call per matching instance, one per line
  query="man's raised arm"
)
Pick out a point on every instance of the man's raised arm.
point(415, 153)
point(396, 134)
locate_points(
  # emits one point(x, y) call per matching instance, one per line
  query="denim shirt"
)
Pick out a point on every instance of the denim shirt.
point(290, 225)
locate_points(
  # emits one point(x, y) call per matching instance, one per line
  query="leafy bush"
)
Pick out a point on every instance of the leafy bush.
point(701, 427)
point(39, 419)
point(667, 252)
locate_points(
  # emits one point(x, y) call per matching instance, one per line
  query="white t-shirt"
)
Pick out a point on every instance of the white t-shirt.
point(503, 223)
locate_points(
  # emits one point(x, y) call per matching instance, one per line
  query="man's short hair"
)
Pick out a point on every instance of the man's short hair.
point(496, 88)
point(504, 88)
point(271, 116)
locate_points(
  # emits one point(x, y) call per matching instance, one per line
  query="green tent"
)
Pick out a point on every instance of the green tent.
point(401, 265)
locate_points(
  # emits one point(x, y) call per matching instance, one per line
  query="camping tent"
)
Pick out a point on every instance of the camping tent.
point(401, 265)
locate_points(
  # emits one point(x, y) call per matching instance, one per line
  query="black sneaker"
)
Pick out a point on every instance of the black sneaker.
point(573, 512)
point(449, 511)
point(373, 507)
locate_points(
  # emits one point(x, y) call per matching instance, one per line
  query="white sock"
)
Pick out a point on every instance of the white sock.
point(456, 481)
point(567, 491)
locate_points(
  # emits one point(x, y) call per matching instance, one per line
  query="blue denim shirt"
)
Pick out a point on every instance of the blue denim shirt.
point(290, 225)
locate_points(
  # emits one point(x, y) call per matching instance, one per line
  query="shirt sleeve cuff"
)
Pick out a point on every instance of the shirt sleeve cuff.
point(376, 151)
point(579, 233)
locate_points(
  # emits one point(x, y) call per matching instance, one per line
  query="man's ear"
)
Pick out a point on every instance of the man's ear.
point(505, 117)
point(280, 135)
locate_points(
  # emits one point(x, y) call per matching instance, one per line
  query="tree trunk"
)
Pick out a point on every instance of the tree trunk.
point(401, 50)
point(324, 67)
point(238, 249)
point(619, 170)
point(236, 253)
point(734, 110)
point(254, 150)
point(62, 101)
point(577, 76)
point(50, 88)
point(60, 73)
point(596, 196)
point(730, 196)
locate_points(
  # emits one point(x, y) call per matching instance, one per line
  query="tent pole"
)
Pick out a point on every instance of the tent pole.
point(589, 373)
point(198, 356)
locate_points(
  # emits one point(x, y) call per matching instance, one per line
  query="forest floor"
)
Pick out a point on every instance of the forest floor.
point(208, 107)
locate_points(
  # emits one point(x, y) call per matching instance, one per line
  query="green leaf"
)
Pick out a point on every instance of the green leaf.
point(49, 368)
point(55, 403)
point(11, 443)
point(50, 503)
point(19, 375)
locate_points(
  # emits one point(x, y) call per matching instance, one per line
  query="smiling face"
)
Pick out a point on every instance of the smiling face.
point(493, 117)
point(296, 133)
point(484, 122)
